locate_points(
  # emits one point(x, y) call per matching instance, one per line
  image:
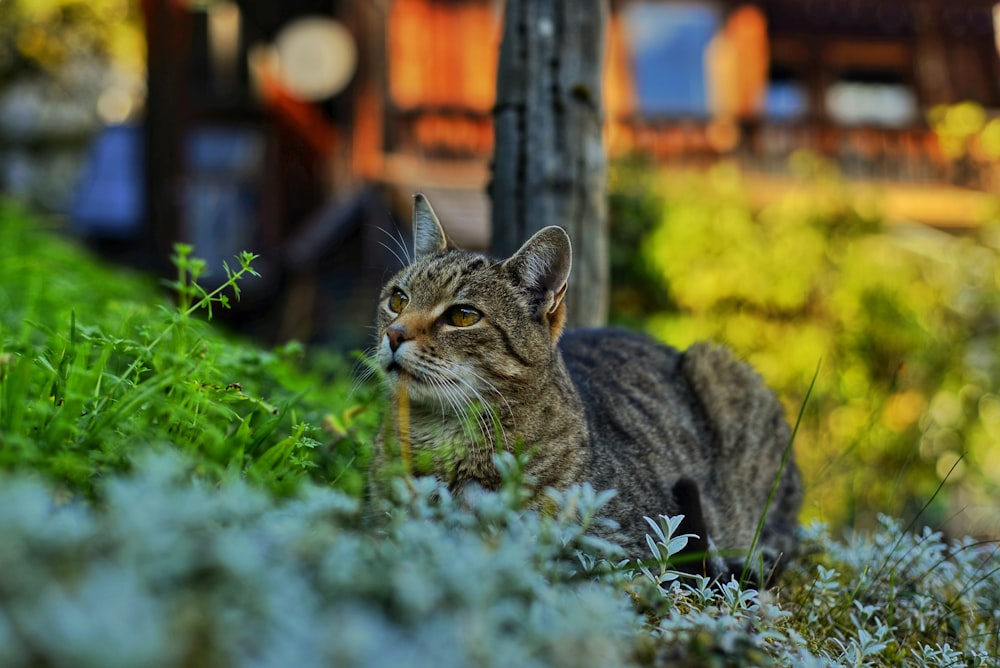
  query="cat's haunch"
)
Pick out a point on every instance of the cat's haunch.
point(478, 347)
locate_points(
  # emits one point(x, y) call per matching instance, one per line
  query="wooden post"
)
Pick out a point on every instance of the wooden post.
point(549, 165)
point(168, 27)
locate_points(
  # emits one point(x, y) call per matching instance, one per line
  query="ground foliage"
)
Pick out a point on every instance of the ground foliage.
point(168, 568)
point(98, 365)
point(171, 496)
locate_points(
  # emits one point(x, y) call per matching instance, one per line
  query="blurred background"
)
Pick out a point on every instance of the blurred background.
point(813, 182)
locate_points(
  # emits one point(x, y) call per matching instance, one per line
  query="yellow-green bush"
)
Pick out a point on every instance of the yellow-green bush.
point(902, 321)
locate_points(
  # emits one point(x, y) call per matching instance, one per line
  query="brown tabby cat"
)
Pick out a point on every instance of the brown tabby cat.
point(479, 345)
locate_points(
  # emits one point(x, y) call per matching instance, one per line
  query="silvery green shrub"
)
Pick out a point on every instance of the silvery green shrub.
point(166, 568)
point(163, 571)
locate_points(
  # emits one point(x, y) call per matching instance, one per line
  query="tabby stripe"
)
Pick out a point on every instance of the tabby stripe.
point(510, 346)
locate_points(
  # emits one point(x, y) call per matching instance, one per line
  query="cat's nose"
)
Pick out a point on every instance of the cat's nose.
point(396, 334)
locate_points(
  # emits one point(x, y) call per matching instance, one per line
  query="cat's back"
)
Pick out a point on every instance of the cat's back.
point(656, 415)
point(628, 380)
point(645, 387)
point(637, 398)
point(607, 348)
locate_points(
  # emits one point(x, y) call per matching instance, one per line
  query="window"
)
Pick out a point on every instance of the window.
point(872, 98)
point(786, 97)
point(667, 43)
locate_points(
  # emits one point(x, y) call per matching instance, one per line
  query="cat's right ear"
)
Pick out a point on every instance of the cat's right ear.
point(542, 267)
point(428, 235)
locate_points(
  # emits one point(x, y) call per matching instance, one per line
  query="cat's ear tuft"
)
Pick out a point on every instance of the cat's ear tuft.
point(542, 267)
point(428, 235)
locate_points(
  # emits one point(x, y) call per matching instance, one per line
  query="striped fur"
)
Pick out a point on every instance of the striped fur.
point(696, 432)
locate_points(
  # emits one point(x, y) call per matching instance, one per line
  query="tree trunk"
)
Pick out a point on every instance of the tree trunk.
point(549, 165)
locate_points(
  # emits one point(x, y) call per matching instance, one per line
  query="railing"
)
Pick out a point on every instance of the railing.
point(908, 155)
point(905, 155)
point(442, 132)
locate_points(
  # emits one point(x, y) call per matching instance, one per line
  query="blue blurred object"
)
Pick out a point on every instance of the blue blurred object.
point(110, 201)
point(667, 43)
point(786, 100)
point(221, 194)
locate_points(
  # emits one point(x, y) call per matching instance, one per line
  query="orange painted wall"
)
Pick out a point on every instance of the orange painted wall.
point(443, 54)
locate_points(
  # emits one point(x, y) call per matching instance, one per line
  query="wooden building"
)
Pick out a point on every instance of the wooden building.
point(237, 159)
point(853, 80)
point(863, 75)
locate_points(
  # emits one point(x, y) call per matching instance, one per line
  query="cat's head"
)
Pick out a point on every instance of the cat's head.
point(459, 326)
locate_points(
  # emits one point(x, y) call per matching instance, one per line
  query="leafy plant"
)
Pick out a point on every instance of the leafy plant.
point(171, 568)
point(169, 571)
point(96, 367)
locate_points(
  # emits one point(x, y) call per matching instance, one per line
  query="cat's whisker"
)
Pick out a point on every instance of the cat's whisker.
point(458, 377)
point(444, 396)
point(442, 399)
point(365, 369)
point(493, 388)
point(398, 240)
point(490, 422)
point(488, 419)
point(463, 407)
point(394, 253)
point(456, 390)
point(457, 404)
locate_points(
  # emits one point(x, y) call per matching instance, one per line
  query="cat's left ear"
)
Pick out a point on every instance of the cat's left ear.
point(428, 235)
point(542, 267)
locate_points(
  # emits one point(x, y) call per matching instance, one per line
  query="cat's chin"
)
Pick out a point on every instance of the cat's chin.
point(419, 391)
point(399, 377)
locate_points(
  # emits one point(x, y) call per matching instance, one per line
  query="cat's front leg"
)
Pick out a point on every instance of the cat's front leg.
point(700, 556)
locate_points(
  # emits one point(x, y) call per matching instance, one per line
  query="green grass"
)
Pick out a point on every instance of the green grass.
point(98, 365)
point(171, 495)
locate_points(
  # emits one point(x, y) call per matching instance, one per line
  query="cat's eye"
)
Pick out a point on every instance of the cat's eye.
point(462, 316)
point(398, 301)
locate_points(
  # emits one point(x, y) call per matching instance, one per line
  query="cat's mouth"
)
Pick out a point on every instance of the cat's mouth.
point(397, 372)
point(400, 376)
